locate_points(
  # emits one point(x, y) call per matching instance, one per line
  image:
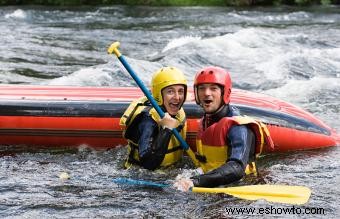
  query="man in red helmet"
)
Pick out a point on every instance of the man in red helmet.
point(226, 142)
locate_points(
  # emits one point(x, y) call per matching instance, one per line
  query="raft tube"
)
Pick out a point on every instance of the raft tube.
point(63, 117)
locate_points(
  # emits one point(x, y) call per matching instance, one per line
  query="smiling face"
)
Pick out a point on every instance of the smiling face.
point(173, 98)
point(210, 97)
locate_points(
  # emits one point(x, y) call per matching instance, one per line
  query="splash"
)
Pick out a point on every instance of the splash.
point(180, 42)
point(18, 14)
point(110, 74)
point(87, 76)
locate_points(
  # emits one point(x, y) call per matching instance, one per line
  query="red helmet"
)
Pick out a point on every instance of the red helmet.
point(214, 75)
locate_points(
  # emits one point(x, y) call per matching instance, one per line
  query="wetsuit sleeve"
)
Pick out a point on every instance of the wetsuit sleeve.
point(241, 140)
point(153, 143)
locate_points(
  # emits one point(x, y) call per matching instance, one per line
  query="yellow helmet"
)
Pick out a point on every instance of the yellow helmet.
point(164, 77)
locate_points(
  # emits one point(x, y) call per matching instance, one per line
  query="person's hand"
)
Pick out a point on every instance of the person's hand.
point(168, 122)
point(183, 184)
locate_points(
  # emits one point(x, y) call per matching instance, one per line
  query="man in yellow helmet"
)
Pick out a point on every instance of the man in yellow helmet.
point(150, 140)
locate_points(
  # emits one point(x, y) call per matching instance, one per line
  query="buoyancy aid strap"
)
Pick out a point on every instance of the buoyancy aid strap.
point(180, 116)
point(132, 150)
point(251, 168)
point(267, 138)
point(134, 146)
point(132, 111)
point(181, 125)
point(176, 148)
point(261, 132)
point(192, 155)
point(201, 158)
point(257, 127)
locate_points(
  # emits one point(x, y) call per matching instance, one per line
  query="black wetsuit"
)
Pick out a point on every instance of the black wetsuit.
point(152, 141)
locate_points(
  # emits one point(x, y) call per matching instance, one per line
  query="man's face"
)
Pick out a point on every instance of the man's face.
point(173, 98)
point(210, 97)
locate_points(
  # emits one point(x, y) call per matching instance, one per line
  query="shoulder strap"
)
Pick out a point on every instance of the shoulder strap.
point(135, 108)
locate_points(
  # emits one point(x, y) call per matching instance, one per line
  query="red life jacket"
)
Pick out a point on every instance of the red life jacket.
point(212, 146)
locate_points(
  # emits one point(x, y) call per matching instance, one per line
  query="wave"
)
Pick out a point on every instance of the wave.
point(17, 14)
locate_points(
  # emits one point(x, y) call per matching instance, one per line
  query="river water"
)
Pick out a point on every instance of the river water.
point(290, 53)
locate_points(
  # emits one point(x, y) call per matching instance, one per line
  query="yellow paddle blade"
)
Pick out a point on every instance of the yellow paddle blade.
point(272, 193)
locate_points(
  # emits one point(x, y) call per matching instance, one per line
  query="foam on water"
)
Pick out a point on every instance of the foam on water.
point(110, 74)
point(180, 42)
point(299, 91)
point(17, 14)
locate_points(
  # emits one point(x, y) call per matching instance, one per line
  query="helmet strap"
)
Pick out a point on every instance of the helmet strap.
point(222, 93)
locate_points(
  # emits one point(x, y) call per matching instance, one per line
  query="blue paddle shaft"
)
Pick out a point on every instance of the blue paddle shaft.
point(127, 181)
point(141, 85)
point(146, 92)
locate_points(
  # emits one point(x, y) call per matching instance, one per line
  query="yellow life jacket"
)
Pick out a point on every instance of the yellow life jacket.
point(174, 152)
point(212, 148)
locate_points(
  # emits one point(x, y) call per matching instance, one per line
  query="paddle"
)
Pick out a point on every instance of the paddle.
point(114, 49)
point(273, 193)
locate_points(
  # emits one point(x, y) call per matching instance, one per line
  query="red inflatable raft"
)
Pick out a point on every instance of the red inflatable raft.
point(63, 117)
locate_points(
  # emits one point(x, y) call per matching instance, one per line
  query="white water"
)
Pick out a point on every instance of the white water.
point(292, 54)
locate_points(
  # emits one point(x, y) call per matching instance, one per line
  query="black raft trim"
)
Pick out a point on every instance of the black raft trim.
point(106, 109)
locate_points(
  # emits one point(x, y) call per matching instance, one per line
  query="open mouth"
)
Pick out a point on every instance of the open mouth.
point(207, 102)
point(174, 105)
